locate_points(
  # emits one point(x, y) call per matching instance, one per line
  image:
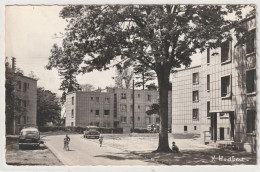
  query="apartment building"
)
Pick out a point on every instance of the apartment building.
point(25, 109)
point(219, 96)
point(113, 108)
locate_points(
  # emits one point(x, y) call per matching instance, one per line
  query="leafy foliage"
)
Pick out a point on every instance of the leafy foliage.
point(160, 38)
point(48, 107)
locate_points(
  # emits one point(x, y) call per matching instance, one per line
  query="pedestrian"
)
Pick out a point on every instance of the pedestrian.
point(175, 148)
point(66, 142)
point(100, 140)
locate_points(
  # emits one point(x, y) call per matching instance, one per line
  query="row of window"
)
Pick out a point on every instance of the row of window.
point(97, 112)
point(24, 88)
point(22, 120)
point(226, 85)
point(123, 107)
point(148, 120)
point(186, 128)
point(226, 47)
point(21, 104)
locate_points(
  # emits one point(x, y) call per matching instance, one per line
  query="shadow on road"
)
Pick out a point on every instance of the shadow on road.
point(121, 156)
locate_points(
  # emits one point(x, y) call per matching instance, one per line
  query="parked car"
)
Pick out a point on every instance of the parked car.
point(29, 136)
point(91, 132)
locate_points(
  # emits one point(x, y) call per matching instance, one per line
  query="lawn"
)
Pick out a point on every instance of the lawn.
point(30, 156)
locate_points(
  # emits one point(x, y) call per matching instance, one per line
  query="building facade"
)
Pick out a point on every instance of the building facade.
point(113, 108)
point(219, 96)
point(25, 109)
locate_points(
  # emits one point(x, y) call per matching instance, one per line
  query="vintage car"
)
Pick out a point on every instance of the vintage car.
point(29, 136)
point(91, 132)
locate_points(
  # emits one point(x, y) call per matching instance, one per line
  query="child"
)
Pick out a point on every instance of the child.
point(175, 148)
point(100, 140)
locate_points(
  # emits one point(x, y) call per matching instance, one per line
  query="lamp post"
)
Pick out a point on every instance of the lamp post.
point(133, 111)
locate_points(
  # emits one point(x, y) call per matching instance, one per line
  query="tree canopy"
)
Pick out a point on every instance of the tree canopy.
point(157, 37)
point(48, 107)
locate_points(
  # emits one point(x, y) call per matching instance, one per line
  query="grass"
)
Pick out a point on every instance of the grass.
point(29, 156)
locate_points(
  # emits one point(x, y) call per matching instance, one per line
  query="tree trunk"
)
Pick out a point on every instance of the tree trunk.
point(163, 83)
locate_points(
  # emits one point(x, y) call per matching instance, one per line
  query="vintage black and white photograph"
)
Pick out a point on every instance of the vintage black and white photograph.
point(130, 85)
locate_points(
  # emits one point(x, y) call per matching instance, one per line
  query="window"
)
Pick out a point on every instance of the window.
point(148, 120)
point(28, 85)
point(226, 51)
point(185, 128)
point(123, 108)
point(139, 107)
point(195, 127)
point(97, 124)
point(195, 78)
point(18, 120)
point(225, 86)
point(138, 118)
point(97, 113)
point(123, 119)
point(106, 112)
point(157, 120)
point(107, 99)
point(91, 98)
point(72, 113)
point(19, 83)
point(195, 96)
point(208, 55)
point(208, 109)
point(19, 104)
point(251, 121)
point(97, 99)
point(91, 111)
point(72, 100)
point(72, 124)
point(24, 103)
point(24, 87)
point(139, 95)
point(251, 81)
point(195, 114)
point(208, 82)
point(24, 119)
point(149, 98)
point(123, 95)
point(250, 42)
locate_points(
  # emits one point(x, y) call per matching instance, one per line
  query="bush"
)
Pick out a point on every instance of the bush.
point(79, 129)
point(139, 130)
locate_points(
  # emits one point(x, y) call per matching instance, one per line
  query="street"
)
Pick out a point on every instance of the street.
point(88, 152)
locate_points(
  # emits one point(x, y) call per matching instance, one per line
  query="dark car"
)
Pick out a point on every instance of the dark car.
point(29, 136)
point(91, 132)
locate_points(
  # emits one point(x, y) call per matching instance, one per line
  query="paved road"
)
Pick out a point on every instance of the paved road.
point(87, 152)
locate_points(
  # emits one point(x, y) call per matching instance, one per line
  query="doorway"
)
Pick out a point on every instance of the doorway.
point(213, 126)
point(221, 133)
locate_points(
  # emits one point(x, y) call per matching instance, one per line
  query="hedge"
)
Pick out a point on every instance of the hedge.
point(139, 130)
point(79, 129)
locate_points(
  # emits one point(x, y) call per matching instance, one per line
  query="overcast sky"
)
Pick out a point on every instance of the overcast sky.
point(29, 37)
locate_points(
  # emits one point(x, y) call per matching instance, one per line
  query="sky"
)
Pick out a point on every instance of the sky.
point(29, 37)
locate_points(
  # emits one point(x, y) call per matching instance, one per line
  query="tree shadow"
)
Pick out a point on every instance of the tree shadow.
point(122, 156)
point(204, 157)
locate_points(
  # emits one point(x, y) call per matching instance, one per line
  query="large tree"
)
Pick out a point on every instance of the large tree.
point(158, 37)
point(48, 107)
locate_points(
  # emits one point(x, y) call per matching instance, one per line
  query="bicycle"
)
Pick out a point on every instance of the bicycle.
point(66, 145)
